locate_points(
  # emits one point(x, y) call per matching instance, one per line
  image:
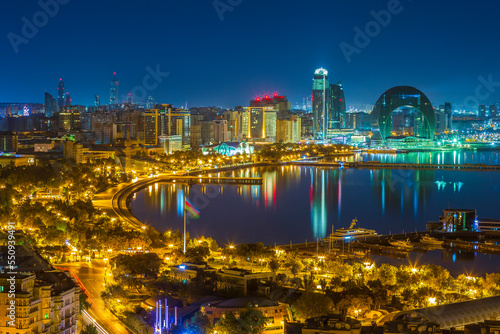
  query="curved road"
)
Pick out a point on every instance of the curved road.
point(91, 276)
point(119, 201)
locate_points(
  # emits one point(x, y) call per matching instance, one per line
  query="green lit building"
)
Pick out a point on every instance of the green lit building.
point(320, 98)
point(424, 123)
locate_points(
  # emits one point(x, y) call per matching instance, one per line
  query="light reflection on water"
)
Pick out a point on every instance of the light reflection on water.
point(303, 203)
point(442, 157)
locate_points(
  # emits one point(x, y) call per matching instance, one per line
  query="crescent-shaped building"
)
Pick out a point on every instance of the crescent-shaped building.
point(403, 96)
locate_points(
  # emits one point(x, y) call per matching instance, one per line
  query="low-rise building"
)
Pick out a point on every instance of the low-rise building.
point(16, 160)
point(454, 220)
point(275, 313)
point(488, 224)
point(337, 324)
point(485, 327)
point(185, 272)
point(79, 153)
point(234, 278)
point(242, 278)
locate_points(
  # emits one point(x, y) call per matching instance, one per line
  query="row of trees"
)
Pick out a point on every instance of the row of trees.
point(76, 182)
point(284, 152)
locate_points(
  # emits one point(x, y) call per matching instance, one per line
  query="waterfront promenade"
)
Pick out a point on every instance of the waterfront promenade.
point(115, 200)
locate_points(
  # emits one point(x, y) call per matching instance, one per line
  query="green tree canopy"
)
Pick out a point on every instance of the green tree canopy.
point(310, 305)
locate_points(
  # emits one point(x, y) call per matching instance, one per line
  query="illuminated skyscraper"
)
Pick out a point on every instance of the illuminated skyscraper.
point(60, 94)
point(493, 110)
point(259, 123)
point(320, 98)
point(97, 101)
point(69, 118)
point(481, 110)
point(50, 105)
point(166, 121)
point(113, 90)
point(151, 118)
point(68, 101)
point(336, 113)
point(150, 102)
point(449, 113)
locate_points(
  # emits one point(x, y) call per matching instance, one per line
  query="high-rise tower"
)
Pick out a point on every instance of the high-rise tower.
point(68, 101)
point(448, 110)
point(320, 98)
point(97, 101)
point(50, 105)
point(493, 110)
point(113, 90)
point(60, 94)
point(336, 112)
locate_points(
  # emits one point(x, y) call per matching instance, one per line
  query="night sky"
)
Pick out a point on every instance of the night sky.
point(259, 47)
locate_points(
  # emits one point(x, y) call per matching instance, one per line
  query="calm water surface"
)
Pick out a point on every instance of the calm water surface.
point(303, 203)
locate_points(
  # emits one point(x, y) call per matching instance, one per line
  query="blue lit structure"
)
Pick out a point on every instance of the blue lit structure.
point(163, 320)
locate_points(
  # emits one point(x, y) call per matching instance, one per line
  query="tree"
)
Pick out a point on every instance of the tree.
point(197, 254)
point(491, 284)
point(274, 265)
point(355, 305)
point(252, 320)
point(228, 325)
point(387, 274)
point(250, 251)
point(90, 329)
point(145, 265)
point(84, 303)
point(311, 305)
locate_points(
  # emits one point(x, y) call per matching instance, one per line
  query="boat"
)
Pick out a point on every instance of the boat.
point(401, 244)
point(426, 239)
point(351, 233)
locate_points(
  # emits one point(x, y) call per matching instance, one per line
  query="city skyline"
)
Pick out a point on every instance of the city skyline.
point(232, 166)
point(392, 55)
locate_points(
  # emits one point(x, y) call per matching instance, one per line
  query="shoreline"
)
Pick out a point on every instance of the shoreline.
point(121, 199)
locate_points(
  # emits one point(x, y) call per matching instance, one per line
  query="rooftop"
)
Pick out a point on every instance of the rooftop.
point(243, 302)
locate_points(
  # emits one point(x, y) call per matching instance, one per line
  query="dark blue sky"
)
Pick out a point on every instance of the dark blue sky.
point(259, 47)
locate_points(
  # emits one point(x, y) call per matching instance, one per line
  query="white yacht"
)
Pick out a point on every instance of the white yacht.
point(401, 244)
point(426, 239)
point(351, 233)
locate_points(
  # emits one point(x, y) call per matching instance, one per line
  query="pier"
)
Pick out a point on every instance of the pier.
point(379, 245)
point(378, 164)
point(392, 165)
point(210, 179)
